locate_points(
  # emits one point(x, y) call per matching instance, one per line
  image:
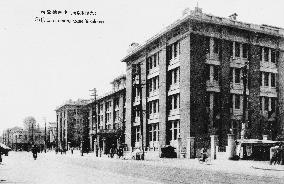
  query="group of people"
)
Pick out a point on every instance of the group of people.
point(113, 150)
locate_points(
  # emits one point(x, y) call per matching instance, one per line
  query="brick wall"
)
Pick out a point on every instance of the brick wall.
point(185, 80)
point(225, 91)
point(254, 92)
point(198, 118)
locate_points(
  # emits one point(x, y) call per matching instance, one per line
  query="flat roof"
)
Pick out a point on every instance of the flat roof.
point(208, 18)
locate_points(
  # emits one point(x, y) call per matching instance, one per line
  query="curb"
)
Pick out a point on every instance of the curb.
point(269, 169)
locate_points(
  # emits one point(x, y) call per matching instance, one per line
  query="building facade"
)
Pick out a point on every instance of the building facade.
point(205, 75)
point(52, 135)
point(72, 124)
point(107, 118)
point(21, 139)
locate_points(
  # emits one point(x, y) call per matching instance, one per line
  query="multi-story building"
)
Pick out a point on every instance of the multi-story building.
point(18, 138)
point(107, 118)
point(205, 75)
point(72, 124)
point(52, 134)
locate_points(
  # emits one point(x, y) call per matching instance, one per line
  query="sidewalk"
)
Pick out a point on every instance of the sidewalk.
point(246, 167)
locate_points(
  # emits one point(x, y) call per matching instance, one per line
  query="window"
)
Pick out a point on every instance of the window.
point(137, 134)
point(175, 129)
point(169, 53)
point(174, 76)
point(156, 82)
point(172, 51)
point(216, 46)
point(153, 84)
point(150, 85)
point(273, 104)
point(154, 132)
point(216, 73)
point(136, 112)
point(237, 49)
point(237, 101)
point(207, 72)
point(266, 79)
point(266, 54)
point(245, 51)
point(152, 61)
point(273, 81)
point(175, 47)
point(207, 99)
point(237, 75)
point(231, 48)
point(266, 103)
point(153, 106)
point(174, 101)
point(273, 56)
point(231, 74)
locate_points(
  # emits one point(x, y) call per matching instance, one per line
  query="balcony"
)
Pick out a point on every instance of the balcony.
point(154, 116)
point(173, 89)
point(238, 62)
point(212, 59)
point(212, 86)
point(173, 63)
point(238, 88)
point(268, 91)
point(153, 93)
point(268, 67)
point(153, 71)
point(174, 114)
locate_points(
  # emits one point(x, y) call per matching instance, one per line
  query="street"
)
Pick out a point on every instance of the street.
point(19, 167)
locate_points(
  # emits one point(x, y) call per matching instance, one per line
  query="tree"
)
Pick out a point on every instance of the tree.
point(30, 126)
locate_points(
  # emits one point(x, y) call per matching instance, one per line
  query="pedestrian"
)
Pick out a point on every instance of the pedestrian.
point(71, 150)
point(120, 152)
point(203, 155)
point(34, 151)
point(0, 156)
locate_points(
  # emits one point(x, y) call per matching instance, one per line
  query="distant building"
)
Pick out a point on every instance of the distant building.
point(192, 77)
point(52, 134)
point(18, 138)
point(107, 117)
point(72, 124)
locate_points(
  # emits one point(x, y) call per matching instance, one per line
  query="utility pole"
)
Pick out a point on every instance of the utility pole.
point(32, 132)
point(94, 119)
point(45, 135)
point(137, 72)
point(245, 79)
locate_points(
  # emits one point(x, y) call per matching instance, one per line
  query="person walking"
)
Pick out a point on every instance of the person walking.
point(71, 150)
point(34, 151)
point(0, 156)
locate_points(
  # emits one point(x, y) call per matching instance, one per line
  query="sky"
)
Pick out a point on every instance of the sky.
point(44, 64)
